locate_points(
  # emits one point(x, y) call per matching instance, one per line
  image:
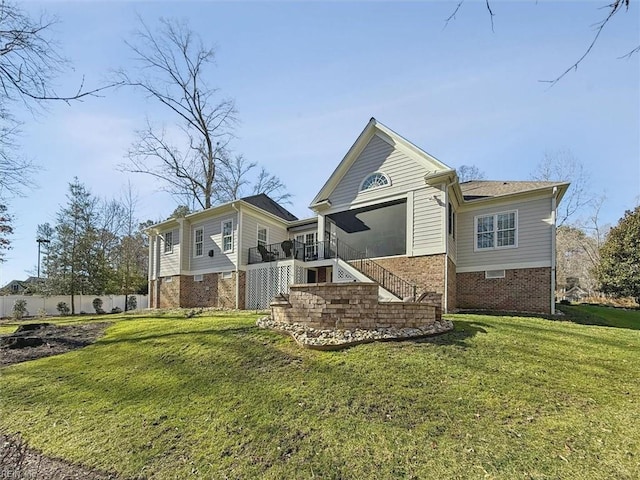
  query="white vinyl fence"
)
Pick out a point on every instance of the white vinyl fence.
point(83, 303)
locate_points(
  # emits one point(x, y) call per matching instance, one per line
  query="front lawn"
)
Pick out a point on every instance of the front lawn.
point(216, 397)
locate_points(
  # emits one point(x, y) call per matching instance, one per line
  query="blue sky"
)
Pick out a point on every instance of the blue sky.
point(307, 76)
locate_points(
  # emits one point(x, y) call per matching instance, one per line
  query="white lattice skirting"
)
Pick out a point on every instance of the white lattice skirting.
point(265, 283)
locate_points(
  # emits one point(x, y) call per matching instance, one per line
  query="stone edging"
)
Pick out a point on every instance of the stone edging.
point(335, 339)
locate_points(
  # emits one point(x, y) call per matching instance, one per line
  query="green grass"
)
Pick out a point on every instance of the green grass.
point(605, 316)
point(216, 397)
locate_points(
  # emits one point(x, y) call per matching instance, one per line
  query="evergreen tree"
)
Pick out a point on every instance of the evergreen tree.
point(619, 269)
point(5, 230)
point(71, 259)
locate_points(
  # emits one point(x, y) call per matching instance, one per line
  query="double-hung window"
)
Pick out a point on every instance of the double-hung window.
point(499, 230)
point(198, 242)
point(311, 246)
point(227, 236)
point(168, 242)
point(262, 236)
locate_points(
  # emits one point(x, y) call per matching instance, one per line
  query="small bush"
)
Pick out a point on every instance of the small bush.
point(63, 308)
point(97, 305)
point(565, 302)
point(116, 310)
point(42, 313)
point(132, 303)
point(20, 309)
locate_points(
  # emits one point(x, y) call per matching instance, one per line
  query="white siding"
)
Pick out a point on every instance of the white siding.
point(277, 232)
point(405, 173)
point(170, 262)
point(220, 262)
point(452, 248)
point(428, 222)
point(534, 237)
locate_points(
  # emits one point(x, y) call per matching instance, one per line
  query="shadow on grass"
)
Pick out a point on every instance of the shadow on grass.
point(463, 330)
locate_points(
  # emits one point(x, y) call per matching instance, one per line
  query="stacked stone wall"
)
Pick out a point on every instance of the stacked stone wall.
point(350, 306)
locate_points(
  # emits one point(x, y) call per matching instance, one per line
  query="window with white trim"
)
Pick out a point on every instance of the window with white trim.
point(168, 242)
point(263, 235)
point(227, 236)
point(499, 230)
point(311, 246)
point(198, 242)
point(375, 180)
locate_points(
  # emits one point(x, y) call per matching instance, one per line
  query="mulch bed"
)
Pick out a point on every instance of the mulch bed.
point(17, 460)
point(47, 340)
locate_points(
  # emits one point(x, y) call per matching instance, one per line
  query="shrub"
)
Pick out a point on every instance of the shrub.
point(63, 308)
point(97, 305)
point(116, 310)
point(132, 303)
point(20, 309)
point(42, 313)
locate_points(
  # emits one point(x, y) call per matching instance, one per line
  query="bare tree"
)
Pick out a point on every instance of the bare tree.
point(614, 7)
point(29, 63)
point(172, 67)
point(235, 178)
point(466, 173)
point(563, 166)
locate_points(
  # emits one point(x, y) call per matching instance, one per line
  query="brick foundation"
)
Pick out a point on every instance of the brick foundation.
point(169, 292)
point(522, 290)
point(427, 272)
point(451, 286)
point(349, 306)
point(213, 291)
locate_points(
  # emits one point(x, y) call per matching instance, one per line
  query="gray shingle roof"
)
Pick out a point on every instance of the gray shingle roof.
point(477, 189)
point(265, 203)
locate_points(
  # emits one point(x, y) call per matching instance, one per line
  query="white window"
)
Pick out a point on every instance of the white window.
point(227, 275)
point(197, 278)
point(198, 242)
point(227, 236)
point(168, 279)
point(263, 236)
point(168, 242)
point(375, 180)
point(499, 230)
point(311, 246)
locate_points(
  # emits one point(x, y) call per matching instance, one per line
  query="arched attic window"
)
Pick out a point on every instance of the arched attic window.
point(375, 180)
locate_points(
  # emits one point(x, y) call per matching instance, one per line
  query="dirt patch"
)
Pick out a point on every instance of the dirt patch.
point(17, 461)
point(31, 343)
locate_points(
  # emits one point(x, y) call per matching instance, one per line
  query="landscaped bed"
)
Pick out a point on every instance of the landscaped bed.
point(218, 397)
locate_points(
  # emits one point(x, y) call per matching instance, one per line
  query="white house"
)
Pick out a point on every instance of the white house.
point(391, 214)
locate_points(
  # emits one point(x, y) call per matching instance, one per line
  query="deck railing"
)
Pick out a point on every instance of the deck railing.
point(292, 249)
point(277, 251)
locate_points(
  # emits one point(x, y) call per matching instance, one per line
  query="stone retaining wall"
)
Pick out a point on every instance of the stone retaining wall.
point(349, 306)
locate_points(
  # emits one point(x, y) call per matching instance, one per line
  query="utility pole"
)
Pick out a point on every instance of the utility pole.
point(40, 242)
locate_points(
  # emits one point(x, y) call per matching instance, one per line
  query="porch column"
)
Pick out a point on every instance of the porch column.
point(321, 228)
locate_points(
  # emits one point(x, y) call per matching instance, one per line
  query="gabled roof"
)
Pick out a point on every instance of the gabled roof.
point(375, 128)
point(266, 203)
point(483, 189)
point(260, 201)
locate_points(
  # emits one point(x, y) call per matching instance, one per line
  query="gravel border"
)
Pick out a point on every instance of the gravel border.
point(335, 339)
